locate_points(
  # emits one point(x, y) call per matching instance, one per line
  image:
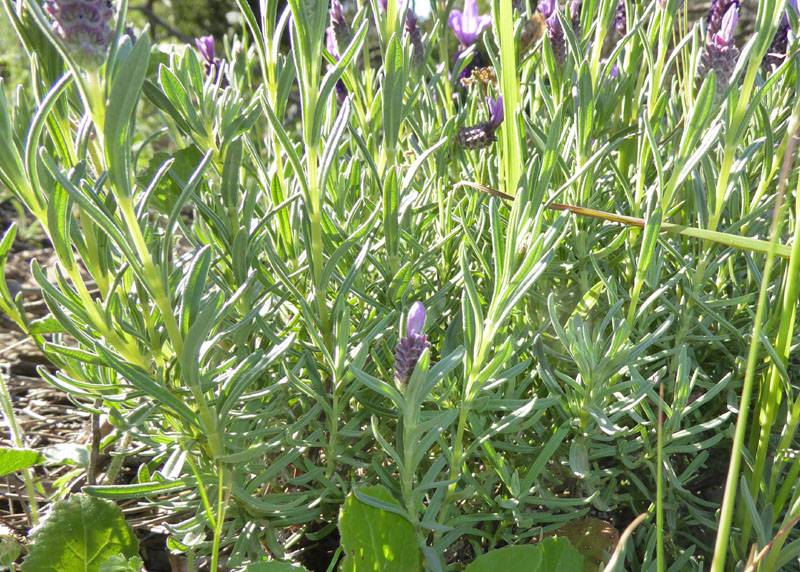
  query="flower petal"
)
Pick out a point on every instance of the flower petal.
point(456, 20)
point(483, 22)
point(470, 23)
point(416, 319)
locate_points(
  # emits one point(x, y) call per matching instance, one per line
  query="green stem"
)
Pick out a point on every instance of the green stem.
point(16, 438)
point(153, 276)
point(726, 513)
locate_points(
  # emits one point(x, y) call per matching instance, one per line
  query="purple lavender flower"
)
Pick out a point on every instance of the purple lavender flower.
point(575, 8)
point(482, 135)
point(205, 45)
point(212, 64)
point(415, 37)
point(715, 15)
point(620, 23)
point(410, 348)
point(496, 112)
point(518, 5)
point(546, 7)
point(340, 27)
point(720, 53)
point(558, 42)
point(333, 49)
point(776, 53)
point(85, 28)
point(724, 36)
point(467, 26)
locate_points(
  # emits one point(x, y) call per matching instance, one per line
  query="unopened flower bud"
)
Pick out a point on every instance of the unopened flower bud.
point(620, 23)
point(482, 135)
point(575, 8)
point(720, 54)
point(410, 348)
point(716, 14)
point(415, 38)
point(340, 27)
point(558, 42)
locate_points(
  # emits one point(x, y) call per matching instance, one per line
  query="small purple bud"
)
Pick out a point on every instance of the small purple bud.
point(337, 11)
point(410, 348)
point(620, 23)
point(340, 27)
point(558, 42)
point(415, 38)
point(575, 8)
point(467, 26)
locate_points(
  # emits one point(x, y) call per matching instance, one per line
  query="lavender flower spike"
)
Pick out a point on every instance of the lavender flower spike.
point(720, 53)
point(558, 42)
point(482, 135)
point(410, 348)
point(85, 28)
point(467, 26)
point(415, 38)
point(340, 27)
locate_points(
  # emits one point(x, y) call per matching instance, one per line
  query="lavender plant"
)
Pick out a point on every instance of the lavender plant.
point(320, 262)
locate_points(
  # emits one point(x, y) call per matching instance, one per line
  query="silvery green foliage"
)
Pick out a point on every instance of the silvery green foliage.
point(236, 252)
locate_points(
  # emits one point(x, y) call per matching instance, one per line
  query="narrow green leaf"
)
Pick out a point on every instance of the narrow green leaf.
point(122, 101)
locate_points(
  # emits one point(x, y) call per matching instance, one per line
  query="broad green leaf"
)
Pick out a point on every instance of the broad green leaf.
point(13, 460)
point(79, 535)
point(119, 563)
point(547, 556)
point(273, 566)
point(591, 537)
point(375, 539)
point(10, 549)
